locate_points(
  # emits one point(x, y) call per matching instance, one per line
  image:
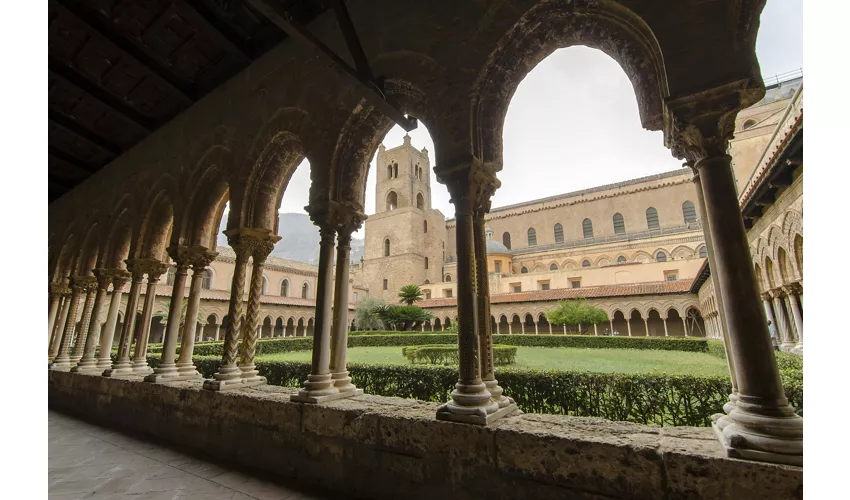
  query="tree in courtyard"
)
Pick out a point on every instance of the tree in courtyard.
point(409, 294)
point(403, 317)
point(164, 315)
point(366, 315)
point(576, 313)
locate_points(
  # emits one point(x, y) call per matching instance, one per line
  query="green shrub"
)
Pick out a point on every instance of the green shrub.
point(716, 348)
point(791, 373)
point(688, 344)
point(447, 354)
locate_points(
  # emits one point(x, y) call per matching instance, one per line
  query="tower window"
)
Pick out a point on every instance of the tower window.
point(652, 218)
point(619, 224)
point(689, 212)
point(587, 228)
point(395, 170)
point(532, 237)
point(387, 247)
point(389, 171)
point(426, 262)
point(386, 284)
point(448, 278)
point(506, 240)
point(420, 201)
point(424, 226)
point(392, 200)
point(559, 233)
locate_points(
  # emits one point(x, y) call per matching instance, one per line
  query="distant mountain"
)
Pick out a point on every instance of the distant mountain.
point(299, 240)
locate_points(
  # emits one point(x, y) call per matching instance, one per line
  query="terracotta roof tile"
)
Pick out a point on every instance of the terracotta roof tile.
point(649, 288)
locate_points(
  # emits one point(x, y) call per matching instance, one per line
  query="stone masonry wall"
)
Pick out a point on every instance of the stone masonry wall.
point(392, 448)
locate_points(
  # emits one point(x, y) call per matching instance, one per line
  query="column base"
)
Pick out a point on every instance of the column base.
point(751, 435)
point(120, 368)
point(472, 404)
point(87, 366)
point(104, 364)
point(480, 416)
point(63, 365)
point(305, 397)
point(317, 389)
point(142, 368)
point(161, 378)
point(230, 384)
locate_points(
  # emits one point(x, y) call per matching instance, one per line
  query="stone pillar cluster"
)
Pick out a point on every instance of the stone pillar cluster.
point(784, 308)
point(759, 423)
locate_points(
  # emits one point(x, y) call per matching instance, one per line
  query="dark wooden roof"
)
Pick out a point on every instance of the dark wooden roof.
point(120, 69)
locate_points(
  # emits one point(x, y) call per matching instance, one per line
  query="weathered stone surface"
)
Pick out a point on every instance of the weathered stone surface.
point(393, 448)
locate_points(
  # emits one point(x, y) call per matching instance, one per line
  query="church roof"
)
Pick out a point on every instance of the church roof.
point(648, 288)
point(494, 246)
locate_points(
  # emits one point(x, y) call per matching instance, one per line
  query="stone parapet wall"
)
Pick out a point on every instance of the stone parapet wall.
point(392, 448)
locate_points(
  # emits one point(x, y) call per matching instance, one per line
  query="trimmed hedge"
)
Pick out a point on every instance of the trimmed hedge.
point(688, 344)
point(446, 354)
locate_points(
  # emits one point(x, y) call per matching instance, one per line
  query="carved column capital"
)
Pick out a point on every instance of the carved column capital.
point(60, 289)
point(336, 216)
point(243, 240)
point(471, 184)
point(120, 278)
point(104, 278)
point(700, 125)
point(766, 296)
point(790, 288)
point(83, 284)
point(150, 267)
point(181, 255)
point(200, 257)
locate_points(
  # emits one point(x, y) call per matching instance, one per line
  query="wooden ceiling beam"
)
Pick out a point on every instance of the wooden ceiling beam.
point(77, 129)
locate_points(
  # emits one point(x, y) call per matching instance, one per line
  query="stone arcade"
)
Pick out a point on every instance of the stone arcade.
point(693, 69)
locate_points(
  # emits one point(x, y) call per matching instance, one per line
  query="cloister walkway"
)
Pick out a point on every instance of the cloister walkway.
point(87, 461)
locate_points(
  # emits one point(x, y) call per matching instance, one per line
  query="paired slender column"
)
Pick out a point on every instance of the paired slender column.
point(155, 269)
point(796, 312)
point(104, 359)
point(251, 329)
point(123, 365)
point(319, 386)
point(471, 401)
point(167, 366)
point(56, 290)
point(339, 337)
point(782, 327)
point(485, 335)
point(88, 322)
point(201, 259)
point(87, 360)
point(59, 327)
point(762, 425)
point(80, 285)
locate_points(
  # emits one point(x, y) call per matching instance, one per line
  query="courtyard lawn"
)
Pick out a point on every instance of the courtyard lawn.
point(572, 359)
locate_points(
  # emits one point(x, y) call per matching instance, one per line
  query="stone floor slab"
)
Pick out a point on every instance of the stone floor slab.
point(89, 462)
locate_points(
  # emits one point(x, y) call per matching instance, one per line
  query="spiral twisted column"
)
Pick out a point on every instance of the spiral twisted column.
point(59, 327)
point(80, 286)
point(87, 361)
point(762, 425)
point(167, 367)
point(200, 257)
point(154, 269)
point(250, 330)
point(123, 365)
point(471, 401)
point(242, 241)
point(104, 359)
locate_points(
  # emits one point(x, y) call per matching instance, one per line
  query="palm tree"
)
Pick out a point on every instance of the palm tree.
point(410, 294)
point(183, 308)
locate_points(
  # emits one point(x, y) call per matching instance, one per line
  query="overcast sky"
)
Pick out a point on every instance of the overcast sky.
point(575, 119)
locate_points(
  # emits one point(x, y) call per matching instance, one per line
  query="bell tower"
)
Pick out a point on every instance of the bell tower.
point(403, 178)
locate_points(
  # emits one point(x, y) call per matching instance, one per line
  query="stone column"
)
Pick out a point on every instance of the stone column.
point(167, 367)
point(793, 297)
point(251, 330)
point(665, 328)
point(123, 365)
point(339, 337)
point(471, 401)
point(629, 326)
point(87, 362)
point(762, 425)
point(217, 331)
point(59, 327)
point(595, 330)
point(104, 359)
point(155, 269)
point(319, 386)
point(685, 324)
point(242, 241)
point(55, 297)
point(782, 327)
point(646, 327)
point(200, 259)
point(610, 322)
point(80, 285)
point(482, 290)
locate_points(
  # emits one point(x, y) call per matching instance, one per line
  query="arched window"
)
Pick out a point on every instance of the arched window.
point(553, 267)
point(559, 233)
point(585, 263)
point(506, 240)
point(660, 257)
point(532, 237)
point(424, 226)
point(395, 170)
point(284, 288)
point(619, 224)
point(587, 228)
point(265, 285)
point(703, 252)
point(748, 124)
point(448, 278)
point(689, 212)
point(389, 171)
point(387, 247)
point(426, 262)
point(392, 200)
point(169, 277)
point(420, 201)
point(621, 260)
point(523, 270)
point(206, 280)
point(652, 218)
point(428, 282)
point(305, 290)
